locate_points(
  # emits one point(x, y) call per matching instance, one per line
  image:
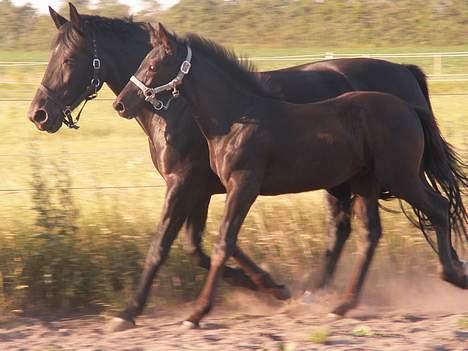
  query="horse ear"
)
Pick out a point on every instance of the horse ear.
point(166, 39)
point(58, 20)
point(75, 17)
point(154, 35)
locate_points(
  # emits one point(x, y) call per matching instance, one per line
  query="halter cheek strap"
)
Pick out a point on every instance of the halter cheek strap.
point(150, 93)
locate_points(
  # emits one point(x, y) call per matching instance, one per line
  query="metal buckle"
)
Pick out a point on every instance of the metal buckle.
point(95, 82)
point(157, 104)
point(67, 111)
point(96, 63)
point(149, 93)
point(185, 67)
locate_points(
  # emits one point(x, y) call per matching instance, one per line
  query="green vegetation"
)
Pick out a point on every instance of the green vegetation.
point(319, 336)
point(462, 322)
point(305, 23)
point(363, 331)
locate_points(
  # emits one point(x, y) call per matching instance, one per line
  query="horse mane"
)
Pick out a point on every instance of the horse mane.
point(236, 66)
point(124, 29)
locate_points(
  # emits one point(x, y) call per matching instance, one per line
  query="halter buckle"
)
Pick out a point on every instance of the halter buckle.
point(149, 93)
point(96, 63)
point(185, 67)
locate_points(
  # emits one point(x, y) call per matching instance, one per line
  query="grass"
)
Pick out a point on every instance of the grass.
point(114, 226)
point(462, 322)
point(363, 331)
point(319, 336)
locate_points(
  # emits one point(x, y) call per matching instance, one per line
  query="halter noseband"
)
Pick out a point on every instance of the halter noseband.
point(150, 93)
point(90, 93)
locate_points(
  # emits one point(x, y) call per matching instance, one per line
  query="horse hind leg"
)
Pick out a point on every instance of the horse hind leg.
point(417, 192)
point(437, 210)
point(339, 228)
point(367, 210)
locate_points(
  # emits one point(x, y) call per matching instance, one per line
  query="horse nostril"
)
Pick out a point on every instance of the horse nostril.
point(40, 116)
point(120, 107)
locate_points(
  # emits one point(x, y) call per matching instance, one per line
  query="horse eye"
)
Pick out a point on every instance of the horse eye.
point(68, 61)
point(152, 68)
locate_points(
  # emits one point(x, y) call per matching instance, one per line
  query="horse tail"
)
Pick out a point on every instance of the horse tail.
point(421, 78)
point(444, 170)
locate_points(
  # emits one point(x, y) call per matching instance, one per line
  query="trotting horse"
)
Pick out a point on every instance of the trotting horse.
point(90, 51)
point(261, 145)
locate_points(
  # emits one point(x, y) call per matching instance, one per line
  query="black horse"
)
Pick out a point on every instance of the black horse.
point(178, 149)
point(261, 145)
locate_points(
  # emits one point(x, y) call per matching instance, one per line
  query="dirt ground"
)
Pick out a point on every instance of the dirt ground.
point(431, 316)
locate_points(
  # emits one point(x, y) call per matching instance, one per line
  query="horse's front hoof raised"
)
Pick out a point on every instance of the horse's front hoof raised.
point(117, 324)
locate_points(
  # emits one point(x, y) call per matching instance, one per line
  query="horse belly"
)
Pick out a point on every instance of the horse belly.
point(310, 170)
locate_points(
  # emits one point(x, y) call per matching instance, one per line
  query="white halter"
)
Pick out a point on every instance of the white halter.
point(150, 93)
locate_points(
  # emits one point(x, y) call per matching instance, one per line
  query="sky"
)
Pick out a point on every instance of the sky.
point(42, 5)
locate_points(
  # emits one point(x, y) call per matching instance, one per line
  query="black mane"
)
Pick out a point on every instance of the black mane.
point(102, 27)
point(239, 67)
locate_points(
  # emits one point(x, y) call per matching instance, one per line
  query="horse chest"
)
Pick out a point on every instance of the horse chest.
point(237, 150)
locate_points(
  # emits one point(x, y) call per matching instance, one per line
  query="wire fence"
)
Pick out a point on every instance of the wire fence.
point(437, 59)
point(106, 187)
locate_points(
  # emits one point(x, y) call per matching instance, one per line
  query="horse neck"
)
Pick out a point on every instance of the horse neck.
point(122, 60)
point(217, 100)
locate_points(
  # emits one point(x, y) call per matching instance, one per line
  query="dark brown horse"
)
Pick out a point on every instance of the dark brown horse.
point(261, 145)
point(178, 150)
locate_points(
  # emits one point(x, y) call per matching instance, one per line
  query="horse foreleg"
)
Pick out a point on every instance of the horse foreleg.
point(367, 210)
point(238, 202)
point(173, 215)
point(339, 228)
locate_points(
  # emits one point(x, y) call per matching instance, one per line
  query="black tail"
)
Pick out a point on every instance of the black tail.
point(421, 78)
point(445, 172)
point(456, 165)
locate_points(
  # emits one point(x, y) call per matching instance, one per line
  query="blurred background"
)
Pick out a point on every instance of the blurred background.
point(77, 209)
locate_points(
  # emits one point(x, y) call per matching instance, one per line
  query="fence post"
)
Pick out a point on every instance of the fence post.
point(437, 64)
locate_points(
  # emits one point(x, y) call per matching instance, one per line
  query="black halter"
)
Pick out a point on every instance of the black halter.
point(90, 93)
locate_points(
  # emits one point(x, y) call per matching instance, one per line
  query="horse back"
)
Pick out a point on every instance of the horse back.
point(329, 78)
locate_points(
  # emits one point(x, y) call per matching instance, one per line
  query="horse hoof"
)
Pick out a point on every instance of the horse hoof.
point(186, 325)
point(457, 277)
point(119, 324)
point(333, 316)
point(343, 308)
point(282, 293)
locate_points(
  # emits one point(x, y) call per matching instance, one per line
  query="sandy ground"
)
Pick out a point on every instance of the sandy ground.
point(429, 317)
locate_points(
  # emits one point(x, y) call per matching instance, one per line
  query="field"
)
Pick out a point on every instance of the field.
point(80, 248)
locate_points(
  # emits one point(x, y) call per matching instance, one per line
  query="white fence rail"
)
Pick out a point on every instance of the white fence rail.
point(436, 74)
